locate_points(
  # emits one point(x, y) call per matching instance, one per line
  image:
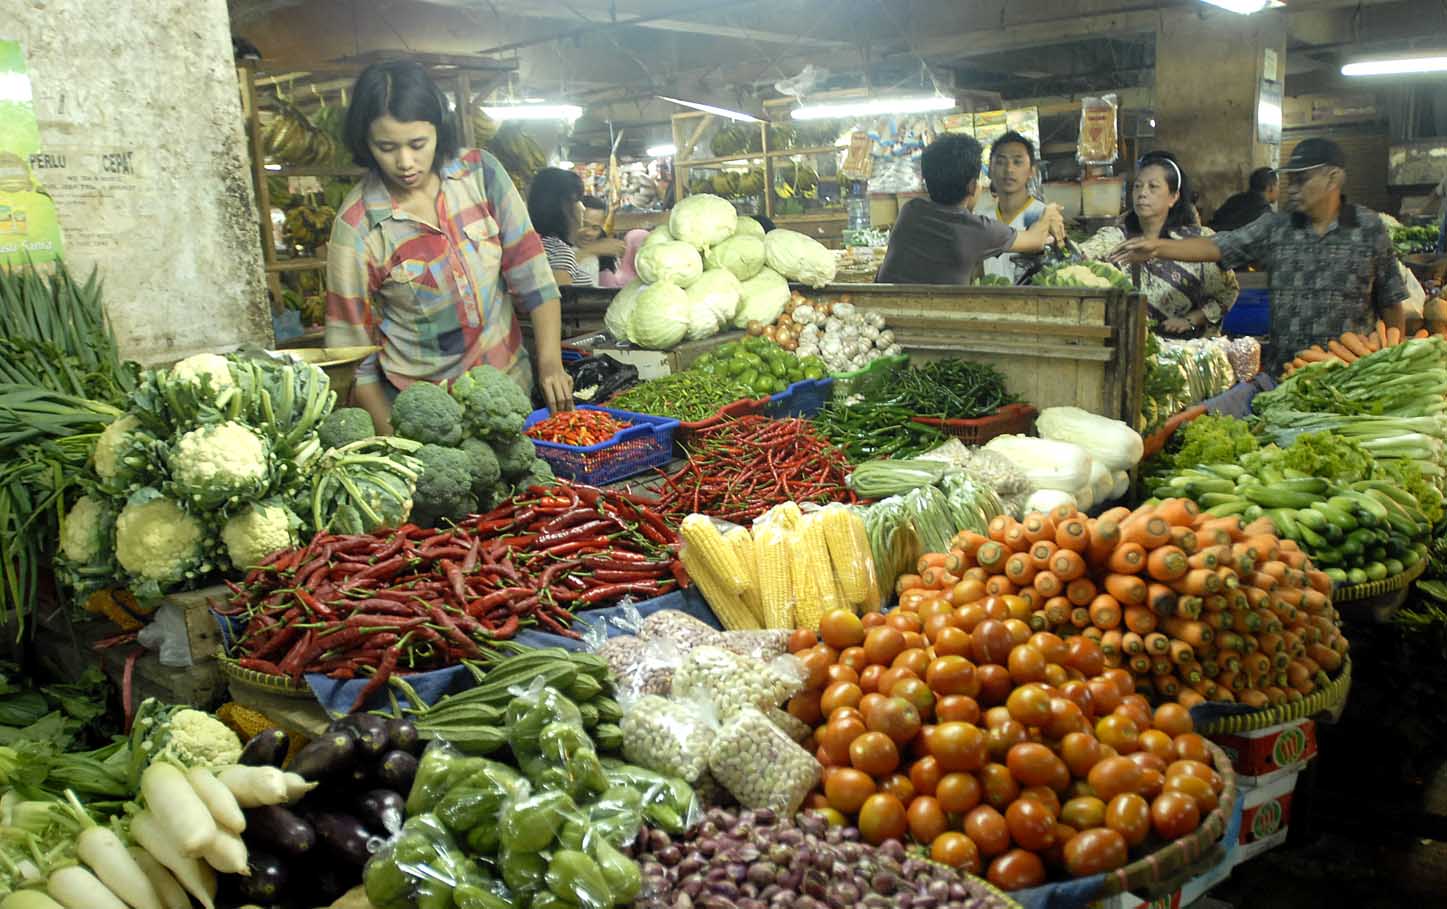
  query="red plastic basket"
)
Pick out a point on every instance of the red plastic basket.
point(1008, 420)
point(745, 407)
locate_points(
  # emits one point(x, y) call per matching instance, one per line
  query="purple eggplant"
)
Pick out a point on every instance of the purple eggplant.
point(381, 810)
point(343, 836)
point(395, 771)
point(371, 733)
point(403, 736)
point(266, 749)
point(278, 829)
point(267, 879)
point(331, 754)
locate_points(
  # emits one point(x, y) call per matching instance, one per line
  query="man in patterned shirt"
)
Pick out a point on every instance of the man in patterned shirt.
point(1331, 264)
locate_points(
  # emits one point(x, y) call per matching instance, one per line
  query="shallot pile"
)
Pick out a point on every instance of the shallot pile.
point(845, 337)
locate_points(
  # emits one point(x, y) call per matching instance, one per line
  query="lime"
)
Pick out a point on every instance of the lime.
point(765, 385)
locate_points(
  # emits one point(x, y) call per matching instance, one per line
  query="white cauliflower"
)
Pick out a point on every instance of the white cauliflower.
point(257, 532)
point(156, 541)
point(212, 366)
point(220, 464)
point(85, 532)
point(110, 447)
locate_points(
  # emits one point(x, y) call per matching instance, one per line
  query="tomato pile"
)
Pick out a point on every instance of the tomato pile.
point(1007, 751)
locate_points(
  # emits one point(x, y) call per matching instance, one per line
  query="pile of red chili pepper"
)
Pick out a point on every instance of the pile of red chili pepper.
point(414, 599)
point(739, 469)
point(578, 427)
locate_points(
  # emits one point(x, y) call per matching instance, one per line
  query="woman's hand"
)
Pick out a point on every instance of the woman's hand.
point(1134, 252)
point(1177, 326)
point(605, 247)
point(557, 386)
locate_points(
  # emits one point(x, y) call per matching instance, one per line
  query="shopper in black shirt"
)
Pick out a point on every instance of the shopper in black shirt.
point(1243, 208)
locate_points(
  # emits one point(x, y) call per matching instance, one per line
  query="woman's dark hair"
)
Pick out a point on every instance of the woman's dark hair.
point(1182, 214)
point(1262, 179)
point(593, 202)
point(765, 222)
point(551, 200)
point(403, 89)
point(951, 167)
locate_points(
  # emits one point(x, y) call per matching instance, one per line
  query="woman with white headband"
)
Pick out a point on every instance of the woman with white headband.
point(1186, 299)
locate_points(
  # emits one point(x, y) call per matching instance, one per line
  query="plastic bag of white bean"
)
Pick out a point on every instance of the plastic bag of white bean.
point(760, 765)
point(761, 645)
point(685, 631)
point(639, 667)
point(731, 681)
point(669, 736)
point(793, 727)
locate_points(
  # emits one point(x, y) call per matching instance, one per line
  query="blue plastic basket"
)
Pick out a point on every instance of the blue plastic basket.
point(1250, 314)
point(646, 444)
point(801, 399)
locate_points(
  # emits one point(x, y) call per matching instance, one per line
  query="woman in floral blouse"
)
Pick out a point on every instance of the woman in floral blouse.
point(1186, 299)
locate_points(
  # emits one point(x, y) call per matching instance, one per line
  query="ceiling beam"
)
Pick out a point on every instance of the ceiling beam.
point(595, 15)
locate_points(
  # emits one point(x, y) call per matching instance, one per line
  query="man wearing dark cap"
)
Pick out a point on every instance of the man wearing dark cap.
point(1331, 264)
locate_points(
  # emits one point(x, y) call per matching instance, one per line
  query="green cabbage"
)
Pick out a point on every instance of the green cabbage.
point(763, 299)
point(742, 255)
point(703, 220)
point(799, 257)
point(617, 319)
point(658, 234)
point(717, 291)
point(748, 227)
point(671, 261)
point(660, 317)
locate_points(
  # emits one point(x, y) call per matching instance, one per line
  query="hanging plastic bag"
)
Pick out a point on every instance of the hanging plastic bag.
point(1098, 144)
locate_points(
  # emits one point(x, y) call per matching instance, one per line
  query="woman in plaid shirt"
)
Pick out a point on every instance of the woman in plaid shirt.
point(432, 254)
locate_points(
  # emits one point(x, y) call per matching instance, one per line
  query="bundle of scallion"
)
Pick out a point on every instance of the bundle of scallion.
point(54, 334)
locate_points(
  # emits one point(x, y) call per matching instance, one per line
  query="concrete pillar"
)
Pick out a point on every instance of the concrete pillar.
point(144, 150)
point(1209, 66)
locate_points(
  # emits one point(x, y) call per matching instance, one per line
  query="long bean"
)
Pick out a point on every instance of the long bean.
point(688, 396)
point(866, 430)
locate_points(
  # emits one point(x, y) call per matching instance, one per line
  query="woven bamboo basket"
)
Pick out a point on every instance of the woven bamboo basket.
point(1376, 601)
point(271, 684)
point(1329, 700)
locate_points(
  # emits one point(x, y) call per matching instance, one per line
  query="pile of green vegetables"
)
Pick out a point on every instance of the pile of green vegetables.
point(1093, 274)
point(690, 396)
point(541, 821)
point(1407, 241)
point(61, 380)
point(755, 361)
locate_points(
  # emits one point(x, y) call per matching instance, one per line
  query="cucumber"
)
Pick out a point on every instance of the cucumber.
point(1285, 521)
point(1212, 499)
point(1337, 575)
point(1228, 509)
point(1376, 571)
point(1303, 483)
point(1226, 471)
point(1252, 512)
point(1356, 576)
point(1395, 567)
point(1341, 518)
point(1311, 538)
point(1314, 519)
point(1277, 495)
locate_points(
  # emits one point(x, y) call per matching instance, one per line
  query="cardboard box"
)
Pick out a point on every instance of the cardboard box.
point(1265, 816)
point(1100, 197)
point(1269, 754)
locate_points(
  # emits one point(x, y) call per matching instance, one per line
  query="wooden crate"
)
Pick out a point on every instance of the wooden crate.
point(201, 628)
point(1056, 346)
point(66, 651)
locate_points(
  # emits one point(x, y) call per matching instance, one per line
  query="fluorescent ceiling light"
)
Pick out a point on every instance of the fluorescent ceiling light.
point(917, 104)
point(272, 166)
point(662, 151)
point(568, 112)
point(564, 165)
point(1397, 67)
point(717, 111)
point(1245, 7)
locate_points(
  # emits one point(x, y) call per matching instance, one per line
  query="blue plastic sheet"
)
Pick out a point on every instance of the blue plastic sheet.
point(1236, 400)
point(336, 695)
point(1077, 894)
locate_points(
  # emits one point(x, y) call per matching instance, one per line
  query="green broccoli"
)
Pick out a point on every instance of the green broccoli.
point(444, 488)
point(493, 405)
point(515, 456)
point(485, 470)
point(349, 424)
point(426, 413)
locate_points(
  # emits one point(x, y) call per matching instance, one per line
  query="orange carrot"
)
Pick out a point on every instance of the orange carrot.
point(1080, 591)
point(1313, 356)
point(1341, 352)
point(1048, 584)
point(1353, 342)
point(1057, 610)
point(1038, 621)
point(1394, 336)
point(969, 542)
point(1127, 588)
point(992, 555)
point(1178, 512)
point(1189, 697)
point(1148, 530)
point(1105, 612)
point(1015, 538)
point(1072, 535)
point(1140, 619)
point(1031, 596)
point(1063, 512)
point(1104, 537)
point(1382, 333)
point(1185, 539)
point(1198, 582)
point(1087, 630)
point(1422, 333)
point(1167, 563)
point(1110, 643)
point(1067, 564)
point(1128, 558)
point(1140, 664)
point(1161, 599)
point(1374, 342)
point(999, 586)
point(1197, 634)
point(1041, 553)
point(1038, 527)
point(1131, 643)
point(1116, 514)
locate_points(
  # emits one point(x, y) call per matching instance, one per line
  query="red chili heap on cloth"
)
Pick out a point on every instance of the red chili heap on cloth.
point(738, 470)
point(582, 428)
point(415, 599)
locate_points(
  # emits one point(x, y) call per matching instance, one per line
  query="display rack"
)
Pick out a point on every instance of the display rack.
point(308, 85)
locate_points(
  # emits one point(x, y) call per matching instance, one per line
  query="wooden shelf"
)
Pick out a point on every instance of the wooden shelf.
point(318, 170)
point(816, 150)
point(708, 162)
point(308, 263)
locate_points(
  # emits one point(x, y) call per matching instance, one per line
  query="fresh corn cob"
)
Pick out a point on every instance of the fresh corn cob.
point(849, 553)
point(700, 533)
point(821, 570)
point(776, 592)
point(743, 546)
point(803, 568)
point(727, 605)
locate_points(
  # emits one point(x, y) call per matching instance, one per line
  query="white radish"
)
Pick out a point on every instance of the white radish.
point(219, 800)
point(29, 899)
point(173, 895)
point(297, 786)
point(227, 854)
point(255, 787)
point(106, 855)
point(192, 873)
point(76, 888)
point(178, 807)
